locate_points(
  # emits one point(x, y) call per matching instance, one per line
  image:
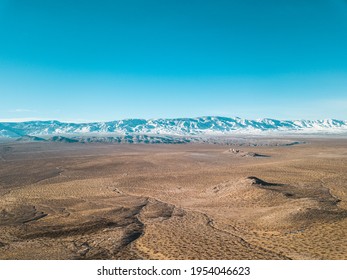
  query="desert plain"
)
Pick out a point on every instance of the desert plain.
point(174, 201)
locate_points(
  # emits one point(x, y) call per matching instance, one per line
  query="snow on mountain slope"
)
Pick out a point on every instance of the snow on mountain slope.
point(180, 126)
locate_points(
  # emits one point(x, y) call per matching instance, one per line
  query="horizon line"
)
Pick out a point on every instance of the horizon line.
point(24, 120)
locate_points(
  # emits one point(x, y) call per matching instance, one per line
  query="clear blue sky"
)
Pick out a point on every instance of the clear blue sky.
point(85, 60)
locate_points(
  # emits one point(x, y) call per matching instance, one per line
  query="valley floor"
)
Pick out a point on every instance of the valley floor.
point(186, 201)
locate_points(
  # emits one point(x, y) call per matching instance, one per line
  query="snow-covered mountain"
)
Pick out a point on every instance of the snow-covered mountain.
point(179, 127)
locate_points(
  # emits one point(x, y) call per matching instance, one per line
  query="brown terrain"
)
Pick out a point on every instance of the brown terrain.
point(187, 201)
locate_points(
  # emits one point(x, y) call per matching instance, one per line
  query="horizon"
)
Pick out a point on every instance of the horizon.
point(91, 61)
point(149, 119)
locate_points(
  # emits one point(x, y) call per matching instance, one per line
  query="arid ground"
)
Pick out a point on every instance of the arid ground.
point(186, 201)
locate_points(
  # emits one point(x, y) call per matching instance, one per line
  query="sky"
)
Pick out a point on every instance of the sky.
point(102, 60)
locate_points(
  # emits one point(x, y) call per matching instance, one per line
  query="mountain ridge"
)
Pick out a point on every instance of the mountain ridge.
point(208, 125)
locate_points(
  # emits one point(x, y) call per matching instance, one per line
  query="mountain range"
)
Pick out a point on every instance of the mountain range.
point(177, 127)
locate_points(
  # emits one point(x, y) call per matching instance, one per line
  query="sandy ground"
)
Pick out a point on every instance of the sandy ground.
point(189, 201)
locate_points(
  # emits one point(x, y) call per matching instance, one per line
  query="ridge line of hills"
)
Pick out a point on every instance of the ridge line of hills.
point(180, 127)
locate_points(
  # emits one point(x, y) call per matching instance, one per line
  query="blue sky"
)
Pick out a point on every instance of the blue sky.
point(80, 60)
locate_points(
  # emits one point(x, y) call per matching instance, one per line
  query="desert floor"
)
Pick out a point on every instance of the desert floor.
point(188, 201)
